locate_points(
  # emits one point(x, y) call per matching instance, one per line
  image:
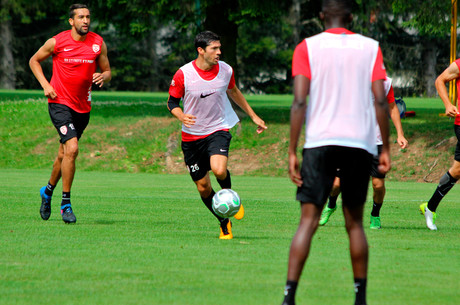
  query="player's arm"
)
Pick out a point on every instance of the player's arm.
point(298, 110)
point(176, 92)
point(174, 107)
point(452, 72)
point(381, 110)
point(103, 62)
point(236, 95)
point(43, 53)
point(396, 118)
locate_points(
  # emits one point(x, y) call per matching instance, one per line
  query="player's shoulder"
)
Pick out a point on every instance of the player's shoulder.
point(186, 67)
point(62, 35)
point(94, 37)
point(224, 67)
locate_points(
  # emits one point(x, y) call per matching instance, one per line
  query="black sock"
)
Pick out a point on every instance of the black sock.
point(289, 293)
point(49, 189)
point(208, 203)
point(226, 183)
point(376, 209)
point(445, 184)
point(332, 204)
point(360, 291)
point(65, 198)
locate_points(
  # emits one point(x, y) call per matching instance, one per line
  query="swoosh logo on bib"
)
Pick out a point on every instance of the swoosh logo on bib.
point(206, 95)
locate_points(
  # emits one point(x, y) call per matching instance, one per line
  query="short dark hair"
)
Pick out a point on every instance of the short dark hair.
point(338, 7)
point(74, 7)
point(204, 39)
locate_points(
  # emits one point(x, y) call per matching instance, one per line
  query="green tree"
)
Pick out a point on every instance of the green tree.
point(431, 21)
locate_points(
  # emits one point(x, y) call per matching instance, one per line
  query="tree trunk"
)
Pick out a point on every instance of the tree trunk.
point(430, 51)
point(218, 21)
point(7, 69)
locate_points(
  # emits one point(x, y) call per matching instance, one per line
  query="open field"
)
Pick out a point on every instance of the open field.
point(148, 239)
point(134, 132)
point(144, 237)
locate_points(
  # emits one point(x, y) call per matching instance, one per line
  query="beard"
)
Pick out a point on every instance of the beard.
point(82, 32)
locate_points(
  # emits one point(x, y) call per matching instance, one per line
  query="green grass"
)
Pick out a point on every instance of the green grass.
point(132, 132)
point(148, 239)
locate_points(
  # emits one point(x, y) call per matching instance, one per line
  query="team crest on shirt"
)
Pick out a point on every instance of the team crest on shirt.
point(173, 83)
point(96, 48)
point(63, 130)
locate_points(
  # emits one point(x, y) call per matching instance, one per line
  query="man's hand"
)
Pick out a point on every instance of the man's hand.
point(403, 143)
point(294, 172)
point(188, 120)
point(384, 162)
point(451, 110)
point(98, 79)
point(260, 124)
point(49, 92)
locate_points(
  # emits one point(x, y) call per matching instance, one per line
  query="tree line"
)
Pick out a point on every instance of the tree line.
point(149, 40)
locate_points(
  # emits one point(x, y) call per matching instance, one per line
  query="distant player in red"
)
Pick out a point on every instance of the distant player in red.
point(450, 178)
point(338, 71)
point(77, 53)
point(203, 85)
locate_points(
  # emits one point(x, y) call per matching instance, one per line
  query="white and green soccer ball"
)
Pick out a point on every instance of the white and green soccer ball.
point(226, 203)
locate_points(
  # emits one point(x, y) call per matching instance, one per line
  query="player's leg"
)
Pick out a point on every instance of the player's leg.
point(219, 169)
point(197, 161)
point(46, 192)
point(218, 149)
point(207, 193)
point(378, 186)
point(446, 183)
point(318, 173)
point(70, 133)
point(359, 250)
point(355, 167)
point(331, 206)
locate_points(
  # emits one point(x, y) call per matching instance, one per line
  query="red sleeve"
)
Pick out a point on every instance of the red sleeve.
point(379, 71)
point(300, 61)
point(177, 88)
point(458, 63)
point(231, 84)
point(391, 96)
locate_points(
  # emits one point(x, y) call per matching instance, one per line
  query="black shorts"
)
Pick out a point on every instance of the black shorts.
point(457, 148)
point(197, 153)
point(69, 123)
point(375, 164)
point(319, 168)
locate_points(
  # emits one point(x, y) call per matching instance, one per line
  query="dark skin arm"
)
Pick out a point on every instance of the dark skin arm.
point(298, 110)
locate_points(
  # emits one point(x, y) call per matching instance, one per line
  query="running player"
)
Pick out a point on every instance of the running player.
point(378, 179)
point(339, 71)
point(449, 179)
point(203, 85)
point(76, 55)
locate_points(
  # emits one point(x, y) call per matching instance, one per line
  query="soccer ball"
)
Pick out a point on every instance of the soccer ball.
point(226, 203)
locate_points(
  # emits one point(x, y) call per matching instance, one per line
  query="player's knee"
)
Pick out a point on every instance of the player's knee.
point(204, 189)
point(71, 151)
point(220, 173)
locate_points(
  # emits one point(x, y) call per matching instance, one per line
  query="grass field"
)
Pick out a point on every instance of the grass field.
point(147, 239)
point(143, 237)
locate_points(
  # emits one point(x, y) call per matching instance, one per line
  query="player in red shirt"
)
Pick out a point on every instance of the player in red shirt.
point(451, 177)
point(77, 53)
point(207, 116)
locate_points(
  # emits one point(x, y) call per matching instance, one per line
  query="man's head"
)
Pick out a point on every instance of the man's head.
point(208, 45)
point(79, 18)
point(204, 39)
point(337, 9)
